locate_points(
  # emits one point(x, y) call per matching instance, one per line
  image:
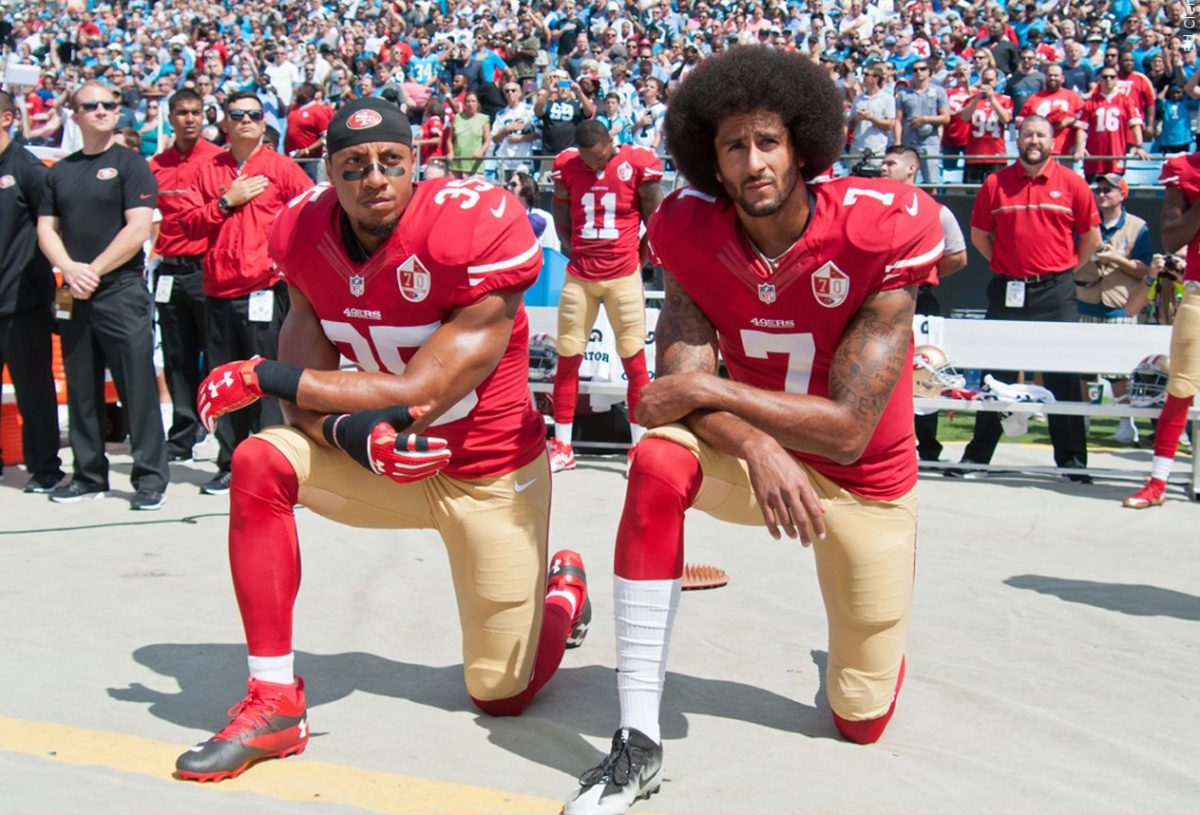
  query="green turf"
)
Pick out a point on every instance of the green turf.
point(958, 426)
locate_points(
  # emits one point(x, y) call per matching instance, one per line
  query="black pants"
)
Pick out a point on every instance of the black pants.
point(1052, 300)
point(182, 320)
point(114, 328)
point(232, 336)
point(977, 173)
point(25, 349)
point(928, 447)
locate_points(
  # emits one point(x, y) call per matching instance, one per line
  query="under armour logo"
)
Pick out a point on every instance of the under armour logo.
point(226, 380)
point(303, 728)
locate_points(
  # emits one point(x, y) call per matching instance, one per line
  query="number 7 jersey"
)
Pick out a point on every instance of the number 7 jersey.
point(779, 330)
point(456, 243)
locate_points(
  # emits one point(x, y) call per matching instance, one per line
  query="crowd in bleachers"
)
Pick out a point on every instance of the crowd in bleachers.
point(616, 61)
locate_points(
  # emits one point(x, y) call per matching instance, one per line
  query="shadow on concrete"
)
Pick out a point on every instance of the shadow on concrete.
point(577, 702)
point(1127, 598)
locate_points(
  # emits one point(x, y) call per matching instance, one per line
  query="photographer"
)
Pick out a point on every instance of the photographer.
point(872, 114)
point(561, 106)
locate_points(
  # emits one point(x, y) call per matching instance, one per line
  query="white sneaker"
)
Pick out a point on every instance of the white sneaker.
point(562, 456)
point(206, 450)
point(631, 770)
point(1127, 432)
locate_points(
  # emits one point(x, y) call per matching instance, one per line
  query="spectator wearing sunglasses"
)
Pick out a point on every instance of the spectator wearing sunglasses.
point(513, 131)
point(232, 204)
point(94, 218)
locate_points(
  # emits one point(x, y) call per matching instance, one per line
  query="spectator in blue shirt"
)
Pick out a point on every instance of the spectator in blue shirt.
point(1176, 134)
point(619, 127)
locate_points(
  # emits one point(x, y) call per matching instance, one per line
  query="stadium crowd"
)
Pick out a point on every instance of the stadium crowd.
point(538, 68)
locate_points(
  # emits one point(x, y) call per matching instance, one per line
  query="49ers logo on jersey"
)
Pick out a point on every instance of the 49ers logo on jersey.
point(105, 173)
point(625, 171)
point(6, 181)
point(414, 280)
point(830, 285)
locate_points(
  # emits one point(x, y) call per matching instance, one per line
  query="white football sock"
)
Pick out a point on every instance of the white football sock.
point(1160, 467)
point(562, 432)
point(277, 670)
point(636, 431)
point(570, 598)
point(644, 612)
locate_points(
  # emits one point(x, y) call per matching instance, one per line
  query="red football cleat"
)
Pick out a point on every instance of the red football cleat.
point(562, 456)
point(566, 573)
point(1151, 495)
point(271, 722)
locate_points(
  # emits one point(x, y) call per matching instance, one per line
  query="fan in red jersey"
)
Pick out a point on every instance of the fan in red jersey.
point(429, 308)
point(1059, 106)
point(989, 114)
point(807, 292)
point(1104, 127)
point(1180, 215)
point(602, 195)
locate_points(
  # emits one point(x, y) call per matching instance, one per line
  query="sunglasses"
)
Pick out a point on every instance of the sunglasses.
point(238, 115)
point(920, 67)
point(90, 107)
point(512, 90)
point(1108, 76)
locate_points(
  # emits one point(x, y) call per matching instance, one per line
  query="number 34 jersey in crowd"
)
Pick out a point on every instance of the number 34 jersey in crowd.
point(457, 242)
point(779, 329)
point(606, 215)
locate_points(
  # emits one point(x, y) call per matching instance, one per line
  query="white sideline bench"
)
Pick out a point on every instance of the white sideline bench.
point(1085, 348)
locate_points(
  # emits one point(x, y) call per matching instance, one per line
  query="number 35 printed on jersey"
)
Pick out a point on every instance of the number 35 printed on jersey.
point(384, 346)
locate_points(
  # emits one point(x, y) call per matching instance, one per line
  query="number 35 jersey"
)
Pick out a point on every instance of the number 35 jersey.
point(779, 329)
point(457, 242)
point(606, 217)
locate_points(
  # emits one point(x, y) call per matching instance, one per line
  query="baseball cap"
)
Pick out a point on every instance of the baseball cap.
point(1187, 45)
point(1114, 180)
point(889, 40)
point(1095, 36)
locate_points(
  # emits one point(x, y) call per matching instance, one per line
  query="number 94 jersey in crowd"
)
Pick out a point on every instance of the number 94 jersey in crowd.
point(779, 329)
point(605, 213)
point(456, 242)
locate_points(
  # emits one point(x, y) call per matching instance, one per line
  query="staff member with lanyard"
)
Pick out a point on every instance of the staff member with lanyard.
point(94, 218)
point(231, 205)
point(1036, 223)
point(179, 288)
point(26, 292)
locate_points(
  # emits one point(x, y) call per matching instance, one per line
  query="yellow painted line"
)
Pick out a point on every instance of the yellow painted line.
point(292, 779)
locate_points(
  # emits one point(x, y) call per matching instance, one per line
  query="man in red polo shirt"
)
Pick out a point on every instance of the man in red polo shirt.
point(232, 205)
point(1032, 278)
point(179, 287)
point(306, 126)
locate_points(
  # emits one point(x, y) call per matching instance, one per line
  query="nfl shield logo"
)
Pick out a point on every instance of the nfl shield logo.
point(830, 285)
point(358, 285)
point(413, 279)
point(766, 293)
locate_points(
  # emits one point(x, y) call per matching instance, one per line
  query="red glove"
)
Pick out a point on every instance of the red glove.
point(405, 459)
point(227, 388)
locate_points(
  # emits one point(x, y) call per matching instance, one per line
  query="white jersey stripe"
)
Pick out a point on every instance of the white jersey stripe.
point(933, 254)
point(500, 266)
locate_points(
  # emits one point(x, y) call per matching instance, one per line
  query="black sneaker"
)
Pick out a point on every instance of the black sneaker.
point(219, 485)
point(74, 491)
point(146, 500)
point(632, 770)
point(42, 483)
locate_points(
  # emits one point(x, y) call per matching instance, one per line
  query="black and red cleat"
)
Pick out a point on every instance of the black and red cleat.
point(271, 722)
point(567, 572)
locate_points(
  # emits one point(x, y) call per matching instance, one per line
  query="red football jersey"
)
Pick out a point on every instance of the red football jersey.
point(1058, 107)
point(986, 136)
point(779, 330)
point(1183, 173)
point(605, 217)
point(456, 242)
point(1140, 90)
point(1107, 121)
point(954, 133)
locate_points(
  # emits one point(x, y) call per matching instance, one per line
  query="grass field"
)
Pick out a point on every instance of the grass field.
point(954, 426)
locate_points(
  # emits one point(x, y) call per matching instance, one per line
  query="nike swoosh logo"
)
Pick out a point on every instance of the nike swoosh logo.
point(146, 195)
point(498, 211)
point(911, 209)
point(521, 487)
point(889, 276)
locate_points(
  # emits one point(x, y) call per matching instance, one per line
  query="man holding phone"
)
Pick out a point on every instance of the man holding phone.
point(561, 106)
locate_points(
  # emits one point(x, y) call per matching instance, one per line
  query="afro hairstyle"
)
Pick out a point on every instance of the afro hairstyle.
point(750, 78)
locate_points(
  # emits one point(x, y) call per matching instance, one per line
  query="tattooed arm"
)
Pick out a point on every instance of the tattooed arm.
point(687, 350)
point(865, 368)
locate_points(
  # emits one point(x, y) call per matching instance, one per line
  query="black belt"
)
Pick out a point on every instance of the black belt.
point(187, 261)
point(1037, 279)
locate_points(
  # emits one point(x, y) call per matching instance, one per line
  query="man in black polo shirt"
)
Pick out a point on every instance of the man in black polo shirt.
point(26, 291)
point(93, 220)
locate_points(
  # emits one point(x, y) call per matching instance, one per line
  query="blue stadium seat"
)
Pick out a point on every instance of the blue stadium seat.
point(550, 282)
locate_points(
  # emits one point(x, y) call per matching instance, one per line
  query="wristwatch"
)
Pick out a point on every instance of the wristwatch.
point(224, 205)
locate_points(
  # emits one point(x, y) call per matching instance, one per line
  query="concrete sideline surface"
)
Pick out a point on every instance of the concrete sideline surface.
point(1051, 663)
